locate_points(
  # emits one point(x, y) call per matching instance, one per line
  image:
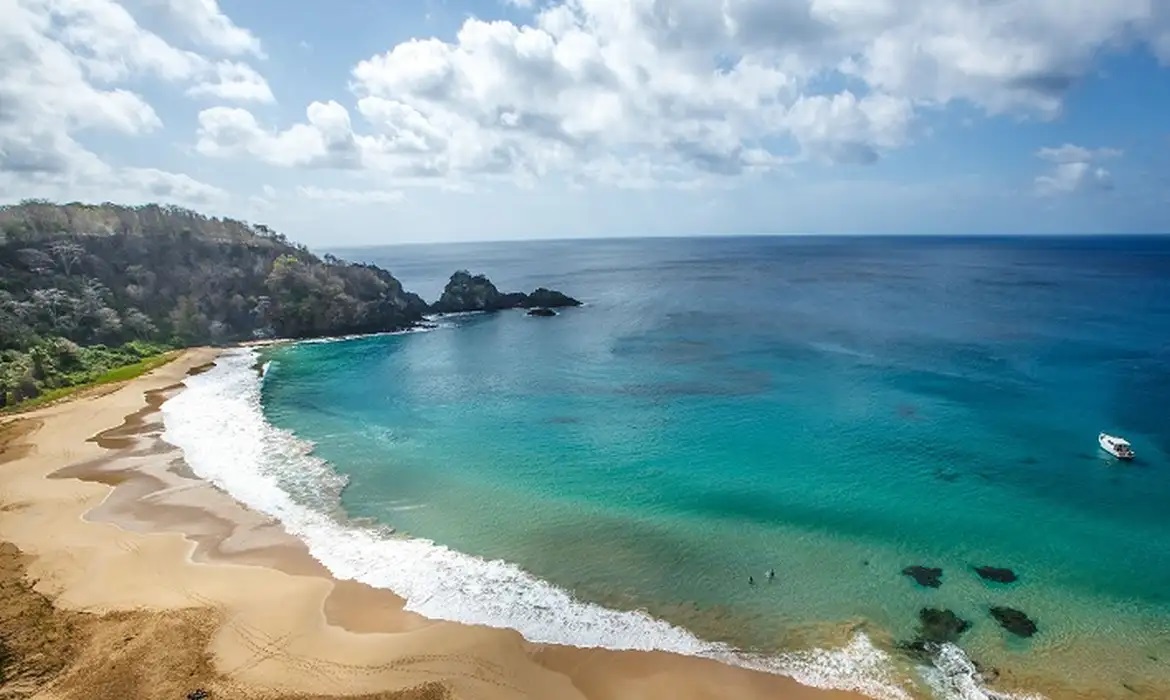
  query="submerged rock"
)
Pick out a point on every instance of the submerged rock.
point(928, 576)
point(541, 311)
point(468, 292)
point(1014, 621)
point(936, 627)
point(941, 625)
point(997, 574)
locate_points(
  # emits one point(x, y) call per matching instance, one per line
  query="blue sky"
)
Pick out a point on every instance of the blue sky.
point(362, 121)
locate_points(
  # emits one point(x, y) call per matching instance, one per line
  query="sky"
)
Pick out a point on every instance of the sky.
point(354, 122)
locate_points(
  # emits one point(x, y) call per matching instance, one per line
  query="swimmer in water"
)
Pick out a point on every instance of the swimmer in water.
point(771, 575)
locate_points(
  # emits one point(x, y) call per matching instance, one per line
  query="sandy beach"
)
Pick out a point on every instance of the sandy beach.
point(122, 575)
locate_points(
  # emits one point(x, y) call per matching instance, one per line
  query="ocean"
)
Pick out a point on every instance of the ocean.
point(834, 409)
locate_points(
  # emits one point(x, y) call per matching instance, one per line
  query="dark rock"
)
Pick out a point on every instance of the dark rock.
point(541, 311)
point(514, 300)
point(936, 627)
point(199, 694)
point(549, 299)
point(997, 574)
point(941, 626)
point(1014, 621)
point(467, 292)
point(924, 575)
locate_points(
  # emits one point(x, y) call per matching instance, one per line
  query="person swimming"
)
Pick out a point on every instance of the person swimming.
point(751, 580)
point(771, 575)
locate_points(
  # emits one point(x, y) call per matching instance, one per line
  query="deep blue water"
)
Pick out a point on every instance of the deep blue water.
point(835, 408)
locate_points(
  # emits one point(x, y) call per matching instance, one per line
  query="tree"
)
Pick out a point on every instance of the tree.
point(93, 296)
point(139, 324)
point(67, 255)
point(37, 261)
point(188, 323)
point(54, 301)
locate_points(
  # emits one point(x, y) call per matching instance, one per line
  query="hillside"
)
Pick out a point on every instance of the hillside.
point(85, 288)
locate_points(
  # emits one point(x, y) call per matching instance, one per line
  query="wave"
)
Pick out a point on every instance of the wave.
point(955, 677)
point(219, 424)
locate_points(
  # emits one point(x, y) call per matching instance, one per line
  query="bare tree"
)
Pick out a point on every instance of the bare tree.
point(67, 255)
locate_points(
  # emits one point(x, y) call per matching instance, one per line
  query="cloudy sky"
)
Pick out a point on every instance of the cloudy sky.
point(380, 121)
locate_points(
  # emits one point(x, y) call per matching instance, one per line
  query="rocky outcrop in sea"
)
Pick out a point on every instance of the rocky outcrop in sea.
point(468, 292)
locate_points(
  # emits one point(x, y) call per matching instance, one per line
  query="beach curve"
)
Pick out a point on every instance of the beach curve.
point(128, 530)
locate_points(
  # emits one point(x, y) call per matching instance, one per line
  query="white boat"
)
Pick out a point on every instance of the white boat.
point(1118, 447)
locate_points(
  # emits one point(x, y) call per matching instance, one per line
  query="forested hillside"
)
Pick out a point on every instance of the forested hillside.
point(84, 288)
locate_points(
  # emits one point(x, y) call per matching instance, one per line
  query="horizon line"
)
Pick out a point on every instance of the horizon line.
point(709, 236)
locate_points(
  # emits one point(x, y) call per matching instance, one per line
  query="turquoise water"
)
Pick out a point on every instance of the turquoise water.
point(833, 409)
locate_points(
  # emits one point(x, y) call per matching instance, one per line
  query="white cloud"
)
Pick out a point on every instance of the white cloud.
point(844, 129)
point(1070, 153)
point(326, 140)
point(1074, 169)
point(686, 91)
point(112, 47)
point(236, 82)
point(65, 69)
point(169, 187)
point(206, 23)
point(351, 196)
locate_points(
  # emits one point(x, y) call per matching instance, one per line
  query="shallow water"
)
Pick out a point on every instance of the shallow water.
point(836, 409)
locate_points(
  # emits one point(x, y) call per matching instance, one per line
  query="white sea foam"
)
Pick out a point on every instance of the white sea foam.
point(954, 677)
point(358, 336)
point(218, 423)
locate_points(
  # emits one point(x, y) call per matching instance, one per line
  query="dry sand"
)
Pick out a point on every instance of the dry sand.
point(123, 576)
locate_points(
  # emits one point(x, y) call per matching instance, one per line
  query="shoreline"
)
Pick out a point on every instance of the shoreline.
point(110, 524)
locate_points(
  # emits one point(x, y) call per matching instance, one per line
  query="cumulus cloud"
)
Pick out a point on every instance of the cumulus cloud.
point(1074, 169)
point(66, 66)
point(326, 140)
point(206, 23)
point(686, 91)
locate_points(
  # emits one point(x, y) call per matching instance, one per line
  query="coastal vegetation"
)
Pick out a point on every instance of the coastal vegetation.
point(87, 289)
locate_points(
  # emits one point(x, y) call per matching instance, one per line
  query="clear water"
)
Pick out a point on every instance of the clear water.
point(835, 409)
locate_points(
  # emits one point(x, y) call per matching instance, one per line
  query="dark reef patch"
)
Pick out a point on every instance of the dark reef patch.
point(930, 577)
point(1014, 621)
point(996, 574)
